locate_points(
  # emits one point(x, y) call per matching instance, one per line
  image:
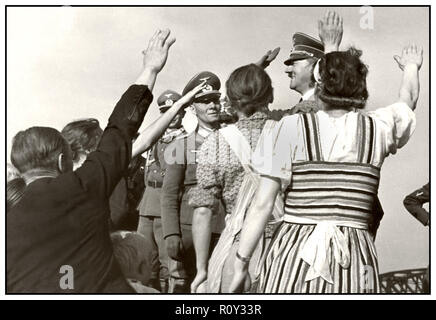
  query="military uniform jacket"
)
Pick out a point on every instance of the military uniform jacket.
point(154, 176)
point(179, 178)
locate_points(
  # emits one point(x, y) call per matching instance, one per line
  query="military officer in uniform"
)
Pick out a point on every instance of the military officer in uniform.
point(181, 177)
point(150, 223)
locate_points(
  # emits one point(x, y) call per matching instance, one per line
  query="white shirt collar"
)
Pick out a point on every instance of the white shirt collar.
point(203, 131)
point(308, 94)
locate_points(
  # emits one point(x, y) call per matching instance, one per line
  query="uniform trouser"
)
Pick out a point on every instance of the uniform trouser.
point(181, 273)
point(151, 229)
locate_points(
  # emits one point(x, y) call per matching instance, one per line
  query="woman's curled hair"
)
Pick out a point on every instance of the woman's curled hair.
point(82, 135)
point(249, 89)
point(343, 79)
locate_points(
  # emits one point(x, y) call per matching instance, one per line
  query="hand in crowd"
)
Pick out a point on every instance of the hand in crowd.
point(267, 58)
point(410, 55)
point(185, 100)
point(241, 281)
point(156, 54)
point(198, 285)
point(174, 247)
point(330, 29)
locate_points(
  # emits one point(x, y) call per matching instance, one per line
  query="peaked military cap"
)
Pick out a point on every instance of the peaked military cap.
point(167, 99)
point(212, 88)
point(305, 46)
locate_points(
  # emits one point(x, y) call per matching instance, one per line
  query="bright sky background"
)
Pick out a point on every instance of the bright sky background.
point(70, 63)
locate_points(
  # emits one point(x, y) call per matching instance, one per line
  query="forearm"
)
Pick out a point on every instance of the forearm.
point(153, 132)
point(201, 234)
point(258, 215)
point(104, 167)
point(147, 78)
point(409, 90)
point(330, 48)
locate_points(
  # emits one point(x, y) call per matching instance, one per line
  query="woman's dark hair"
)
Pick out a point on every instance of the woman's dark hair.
point(82, 135)
point(343, 79)
point(249, 89)
point(14, 192)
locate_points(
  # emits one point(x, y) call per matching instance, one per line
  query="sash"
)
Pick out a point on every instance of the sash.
point(234, 222)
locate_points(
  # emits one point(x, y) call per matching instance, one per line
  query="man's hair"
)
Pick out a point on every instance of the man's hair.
point(38, 147)
point(249, 89)
point(83, 136)
point(343, 79)
point(312, 62)
point(133, 254)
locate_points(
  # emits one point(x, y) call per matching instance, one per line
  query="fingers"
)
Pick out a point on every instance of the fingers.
point(274, 53)
point(331, 18)
point(153, 39)
point(326, 16)
point(169, 43)
point(320, 24)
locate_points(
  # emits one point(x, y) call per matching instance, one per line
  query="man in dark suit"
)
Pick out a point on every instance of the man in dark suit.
point(58, 233)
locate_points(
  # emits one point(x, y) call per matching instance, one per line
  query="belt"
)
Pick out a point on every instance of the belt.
point(154, 184)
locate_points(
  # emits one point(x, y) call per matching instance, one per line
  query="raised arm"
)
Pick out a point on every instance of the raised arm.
point(153, 132)
point(103, 168)
point(254, 225)
point(330, 29)
point(414, 203)
point(155, 57)
point(410, 62)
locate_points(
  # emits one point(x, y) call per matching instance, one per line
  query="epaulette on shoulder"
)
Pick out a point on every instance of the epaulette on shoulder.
point(183, 136)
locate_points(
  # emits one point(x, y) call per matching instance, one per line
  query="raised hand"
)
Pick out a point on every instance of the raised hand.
point(410, 55)
point(156, 54)
point(330, 29)
point(190, 95)
point(267, 58)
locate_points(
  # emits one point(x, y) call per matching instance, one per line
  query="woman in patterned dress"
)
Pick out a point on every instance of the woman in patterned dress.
point(328, 164)
point(220, 176)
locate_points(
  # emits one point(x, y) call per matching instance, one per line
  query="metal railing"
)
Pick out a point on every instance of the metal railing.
point(405, 281)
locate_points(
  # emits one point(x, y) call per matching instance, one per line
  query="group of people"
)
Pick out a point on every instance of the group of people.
point(252, 200)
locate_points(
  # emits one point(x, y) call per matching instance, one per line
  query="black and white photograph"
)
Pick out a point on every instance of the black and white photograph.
point(165, 151)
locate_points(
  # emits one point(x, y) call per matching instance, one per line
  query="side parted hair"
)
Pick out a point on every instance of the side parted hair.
point(343, 79)
point(249, 89)
point(38, 147)
point(312, 62)
point(83, 136)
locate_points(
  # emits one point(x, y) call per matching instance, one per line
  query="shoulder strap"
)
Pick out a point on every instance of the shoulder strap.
point(366, 137)
point(238, 143)
point(311, 134)
point(242, 149)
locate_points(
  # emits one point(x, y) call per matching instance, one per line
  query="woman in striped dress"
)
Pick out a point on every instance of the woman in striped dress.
point(328, 163)
point(222, 176)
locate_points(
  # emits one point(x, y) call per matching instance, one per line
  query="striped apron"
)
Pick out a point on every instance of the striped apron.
point(323, 245)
